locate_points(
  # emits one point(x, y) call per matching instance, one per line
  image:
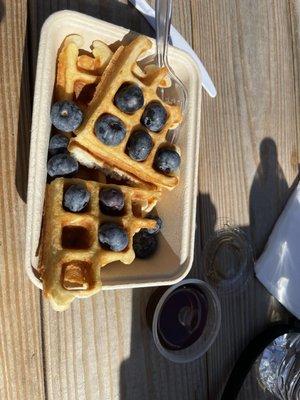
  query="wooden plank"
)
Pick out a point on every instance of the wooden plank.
point(103, 343)
point(295, 33)
point(21, 363)
point(249, 151)
point(102, 348)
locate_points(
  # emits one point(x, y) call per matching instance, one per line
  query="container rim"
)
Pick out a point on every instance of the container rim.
point(171, 355)
point(90, 22)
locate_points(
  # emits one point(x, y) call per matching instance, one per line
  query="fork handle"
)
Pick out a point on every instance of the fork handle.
point(163, 15)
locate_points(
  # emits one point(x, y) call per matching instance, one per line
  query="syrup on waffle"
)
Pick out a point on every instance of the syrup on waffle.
point(71, 254)
point(92, 152)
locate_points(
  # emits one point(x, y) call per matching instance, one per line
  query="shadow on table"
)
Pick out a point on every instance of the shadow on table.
point(2, 10)
point(134, 374)
point(268, 195)
point(23, 139)
point(112, 11)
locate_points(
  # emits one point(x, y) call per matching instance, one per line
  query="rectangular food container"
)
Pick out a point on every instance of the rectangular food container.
point(174, 258)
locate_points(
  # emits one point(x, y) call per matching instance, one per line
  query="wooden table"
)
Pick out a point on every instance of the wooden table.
point(249, 153)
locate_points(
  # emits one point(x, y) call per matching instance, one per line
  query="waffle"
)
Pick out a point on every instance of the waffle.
point(91, 152)
point(75, 70)
point(71, 255)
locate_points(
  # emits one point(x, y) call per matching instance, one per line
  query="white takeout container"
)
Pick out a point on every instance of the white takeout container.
point(174, 258)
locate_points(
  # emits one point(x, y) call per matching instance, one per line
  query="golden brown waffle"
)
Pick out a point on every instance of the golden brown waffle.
point(92, 152)
point(75, 71)
point(71, 254)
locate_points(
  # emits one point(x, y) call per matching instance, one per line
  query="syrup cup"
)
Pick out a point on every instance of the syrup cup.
point(210, 330)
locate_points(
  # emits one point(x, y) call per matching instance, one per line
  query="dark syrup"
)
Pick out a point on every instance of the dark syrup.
point(182, 318)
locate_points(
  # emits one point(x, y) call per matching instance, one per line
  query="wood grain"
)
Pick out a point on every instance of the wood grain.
point(249, 151)
point(21, 361)
point(101, 348)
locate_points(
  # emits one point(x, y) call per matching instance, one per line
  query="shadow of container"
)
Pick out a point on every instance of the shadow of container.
point(2, 10)
point(23, 140)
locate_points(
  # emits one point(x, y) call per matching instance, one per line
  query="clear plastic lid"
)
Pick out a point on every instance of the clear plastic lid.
point(227, 258)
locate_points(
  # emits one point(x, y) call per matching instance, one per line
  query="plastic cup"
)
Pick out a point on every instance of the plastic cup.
point(227, 259)
point(210, 330)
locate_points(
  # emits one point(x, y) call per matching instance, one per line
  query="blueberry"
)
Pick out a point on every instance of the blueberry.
point(144, 244)
point(113, 237)
point(111, 201)
point(154, 116)
point(61, 165)
point(129, 98)
point(76, 198)
point(158, 227)
point(139, 145)
point(110, 130)
point(58, 144)
point(66, 116)
point(166, 161)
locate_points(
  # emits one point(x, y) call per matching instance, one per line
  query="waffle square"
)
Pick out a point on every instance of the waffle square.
point(71, 254)
point(92, 152)
point(75, 70)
